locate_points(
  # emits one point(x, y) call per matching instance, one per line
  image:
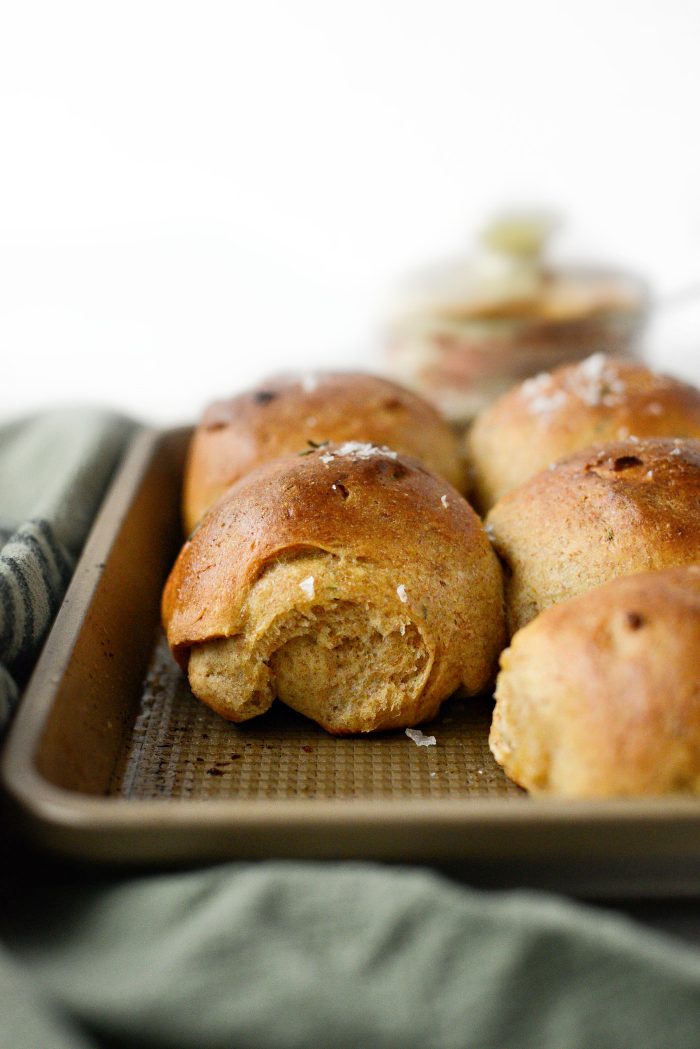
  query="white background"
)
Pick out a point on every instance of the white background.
point(192, 195)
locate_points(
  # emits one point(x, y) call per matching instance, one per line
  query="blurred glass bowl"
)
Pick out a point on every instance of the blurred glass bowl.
point(462, 335)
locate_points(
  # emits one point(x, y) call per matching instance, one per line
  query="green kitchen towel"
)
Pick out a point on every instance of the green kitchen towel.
point(27, 1019)
point(341, 956)
point(54, 468)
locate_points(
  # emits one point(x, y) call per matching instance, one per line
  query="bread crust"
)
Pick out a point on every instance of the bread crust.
point(386, 537)
point(627, 507)
point(549, 417)
point(284, 413)
point(600, 695)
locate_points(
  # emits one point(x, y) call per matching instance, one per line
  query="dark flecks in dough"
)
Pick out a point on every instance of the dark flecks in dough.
point(625, 462)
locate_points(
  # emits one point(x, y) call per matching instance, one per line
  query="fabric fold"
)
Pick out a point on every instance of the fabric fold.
point(296, 955)
point(54, 469)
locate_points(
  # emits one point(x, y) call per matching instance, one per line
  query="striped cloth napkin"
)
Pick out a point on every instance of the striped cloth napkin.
point(54, 468)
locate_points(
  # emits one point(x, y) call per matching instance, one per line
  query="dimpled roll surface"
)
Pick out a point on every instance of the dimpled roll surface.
point(626, 507)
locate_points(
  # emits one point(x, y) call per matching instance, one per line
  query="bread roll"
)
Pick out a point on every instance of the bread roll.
point(600, 695)
point(544, 419)
point(283, 415)
point(349, 581)
point(604, 512)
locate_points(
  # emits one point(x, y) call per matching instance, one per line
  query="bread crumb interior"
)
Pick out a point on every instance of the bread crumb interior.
point(349, 656)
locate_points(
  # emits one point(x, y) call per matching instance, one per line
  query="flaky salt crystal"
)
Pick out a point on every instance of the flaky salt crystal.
point(595, 382)
point(365, 451)
point(309, 382)
point(360, 450)
point(307, 585)
point(593, 366)
point(534, 386)
point(548, 402)
point(540, 399)
point(401, 591)
point(419, 738)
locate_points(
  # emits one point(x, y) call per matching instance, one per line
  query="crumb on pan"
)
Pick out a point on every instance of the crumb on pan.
point(419, 738)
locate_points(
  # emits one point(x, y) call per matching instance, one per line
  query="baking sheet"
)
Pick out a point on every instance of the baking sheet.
point(111, 759)
point(178, 748)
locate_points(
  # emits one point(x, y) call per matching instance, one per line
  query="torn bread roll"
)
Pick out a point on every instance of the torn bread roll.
point(600, 695)
point(627, 507)
point(285, 413)
point(350, 582)
point(557, 413)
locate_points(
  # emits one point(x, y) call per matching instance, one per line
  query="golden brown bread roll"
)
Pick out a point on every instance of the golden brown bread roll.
point(600, 695)
point(604, 512)
point(281, 416)
point(556, 413)
point(349, 581)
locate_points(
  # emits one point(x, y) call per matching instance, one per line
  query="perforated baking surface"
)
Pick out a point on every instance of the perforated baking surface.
point(178, 748)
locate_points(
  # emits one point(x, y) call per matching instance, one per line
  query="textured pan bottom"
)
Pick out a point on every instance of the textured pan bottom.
point(178, 748)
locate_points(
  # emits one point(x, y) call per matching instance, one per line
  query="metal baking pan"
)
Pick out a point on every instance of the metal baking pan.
point(111, 759)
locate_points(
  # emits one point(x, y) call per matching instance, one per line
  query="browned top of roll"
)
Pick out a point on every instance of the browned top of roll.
point(655, 477)
point(572, 407)
point(352, 500)
point(282, 415)
point(651, 479)
point(626, 507)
